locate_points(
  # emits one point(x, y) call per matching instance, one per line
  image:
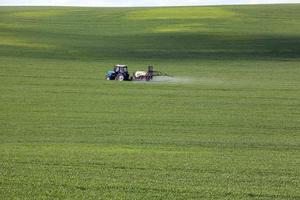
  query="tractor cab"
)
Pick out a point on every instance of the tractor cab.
point(119, 72)
point(121, 69)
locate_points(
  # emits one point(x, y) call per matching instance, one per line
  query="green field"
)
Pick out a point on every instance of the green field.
point(229, 128)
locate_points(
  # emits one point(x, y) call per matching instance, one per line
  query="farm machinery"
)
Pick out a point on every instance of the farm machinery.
point(120, 73)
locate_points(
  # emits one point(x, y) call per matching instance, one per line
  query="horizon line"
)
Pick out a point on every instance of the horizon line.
point(145, 6)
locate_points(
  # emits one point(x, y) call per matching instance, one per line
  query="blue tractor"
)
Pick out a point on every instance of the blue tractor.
point(119, 72)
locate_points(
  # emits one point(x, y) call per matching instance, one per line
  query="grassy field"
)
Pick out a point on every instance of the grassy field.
point(228, 129)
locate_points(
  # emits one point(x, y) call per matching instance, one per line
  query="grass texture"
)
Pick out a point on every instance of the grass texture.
point(228, 128)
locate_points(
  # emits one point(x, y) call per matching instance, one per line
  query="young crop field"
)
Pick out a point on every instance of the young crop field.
point(227, 128)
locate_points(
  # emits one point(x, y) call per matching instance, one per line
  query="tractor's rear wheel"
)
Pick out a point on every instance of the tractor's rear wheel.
point(120, 77)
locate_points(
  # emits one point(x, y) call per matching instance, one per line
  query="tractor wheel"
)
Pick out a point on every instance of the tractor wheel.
point(120, 78)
